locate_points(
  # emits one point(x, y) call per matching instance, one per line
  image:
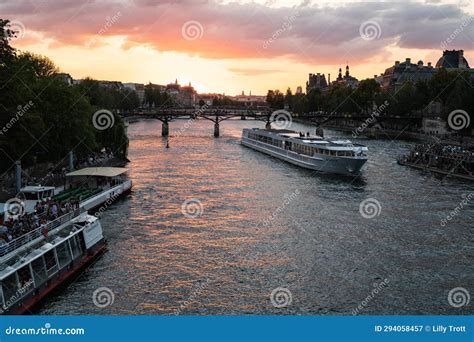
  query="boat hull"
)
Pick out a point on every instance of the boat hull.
point(325, 164)
point(62, 278)
point(111, 195)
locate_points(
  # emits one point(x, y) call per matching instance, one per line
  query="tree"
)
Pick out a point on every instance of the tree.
point(366, 93)
point(275, 99)
point(43, 118)
point(289, 98)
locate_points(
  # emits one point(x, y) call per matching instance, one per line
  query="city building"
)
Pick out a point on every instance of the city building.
point(111, 84)
point(65, 77)
point(316, 81)
point(453, 59)
point(399, 73)
point(182, 96)
point(208, 98)
point(250, 100)
point(395, 76)
point(346, 80)
point(139, 88)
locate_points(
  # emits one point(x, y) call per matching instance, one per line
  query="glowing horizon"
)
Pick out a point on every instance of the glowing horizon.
point(228, 47)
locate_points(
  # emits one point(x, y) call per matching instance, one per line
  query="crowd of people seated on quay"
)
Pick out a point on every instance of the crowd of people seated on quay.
point(443, 156)
point(45, 211)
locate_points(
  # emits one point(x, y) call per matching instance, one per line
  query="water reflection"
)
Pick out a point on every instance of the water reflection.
point(268, 224)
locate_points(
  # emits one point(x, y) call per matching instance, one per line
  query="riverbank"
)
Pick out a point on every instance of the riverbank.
point(377, 133)
point(436, 170)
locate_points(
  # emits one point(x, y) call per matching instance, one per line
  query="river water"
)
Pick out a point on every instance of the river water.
point(212, 227)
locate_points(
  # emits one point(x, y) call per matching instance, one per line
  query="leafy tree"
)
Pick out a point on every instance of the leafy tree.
point(43, 118)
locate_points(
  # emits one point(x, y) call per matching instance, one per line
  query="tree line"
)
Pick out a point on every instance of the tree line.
point(450, 90)
point(42, 118)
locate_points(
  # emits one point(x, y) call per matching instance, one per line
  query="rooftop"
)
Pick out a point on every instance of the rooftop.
point(98, 172)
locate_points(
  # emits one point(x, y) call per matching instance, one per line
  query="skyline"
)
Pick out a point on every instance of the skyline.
point(193, 41)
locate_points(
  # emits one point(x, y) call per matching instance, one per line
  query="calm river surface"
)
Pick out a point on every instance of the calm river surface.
point(262, 224)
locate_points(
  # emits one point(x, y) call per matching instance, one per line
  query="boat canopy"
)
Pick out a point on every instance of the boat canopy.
point(98, 172)
point(36, 188)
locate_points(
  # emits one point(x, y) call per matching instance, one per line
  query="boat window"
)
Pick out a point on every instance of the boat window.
point(32, 196)
point(25, 277)
point(64, 256)
point(75, 246)
point(10, 288)
point(51, 264)
point(39, 270)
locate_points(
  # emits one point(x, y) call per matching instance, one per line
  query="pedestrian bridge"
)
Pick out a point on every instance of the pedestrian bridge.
point(269, 116)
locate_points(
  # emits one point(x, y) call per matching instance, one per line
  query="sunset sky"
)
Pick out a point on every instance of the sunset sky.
point(230, 46)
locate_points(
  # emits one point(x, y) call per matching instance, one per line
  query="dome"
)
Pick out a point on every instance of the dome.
point(453, 59)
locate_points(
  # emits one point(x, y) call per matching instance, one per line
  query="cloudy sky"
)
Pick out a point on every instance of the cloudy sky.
point(229, 46)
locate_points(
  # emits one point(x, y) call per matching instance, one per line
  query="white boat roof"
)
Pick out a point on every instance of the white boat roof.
point(98, 172)
point(36, 188)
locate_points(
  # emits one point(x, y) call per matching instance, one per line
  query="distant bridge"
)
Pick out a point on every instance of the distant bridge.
point(219, 114)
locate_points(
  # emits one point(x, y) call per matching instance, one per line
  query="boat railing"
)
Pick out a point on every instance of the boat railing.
point(38, 232)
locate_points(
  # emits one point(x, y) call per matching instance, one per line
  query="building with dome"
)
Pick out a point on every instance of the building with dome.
point(453, 59)
point(395, 76)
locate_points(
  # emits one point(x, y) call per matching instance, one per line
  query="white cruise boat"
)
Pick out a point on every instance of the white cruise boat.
point(308, 151)
point(91, 187)
point(38, 262)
